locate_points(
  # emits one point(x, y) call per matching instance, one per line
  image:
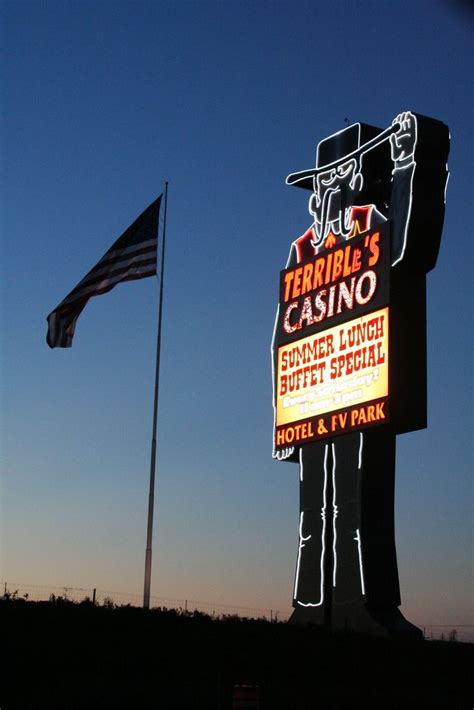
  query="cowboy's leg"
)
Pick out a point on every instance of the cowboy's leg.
point(365, 561)
point(348, 464)
point(314, 516)
point(377, 520)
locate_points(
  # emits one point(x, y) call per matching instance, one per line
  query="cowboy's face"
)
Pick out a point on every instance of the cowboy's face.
point(334, 192)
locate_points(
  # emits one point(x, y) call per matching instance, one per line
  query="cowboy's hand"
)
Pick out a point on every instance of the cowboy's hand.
point(283, 453)
point(403, 141)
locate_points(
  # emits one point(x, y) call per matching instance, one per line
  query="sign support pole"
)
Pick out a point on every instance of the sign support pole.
point(151, 493)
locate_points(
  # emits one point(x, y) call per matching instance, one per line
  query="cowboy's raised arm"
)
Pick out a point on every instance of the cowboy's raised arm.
point(420, 149)
point(402, 146)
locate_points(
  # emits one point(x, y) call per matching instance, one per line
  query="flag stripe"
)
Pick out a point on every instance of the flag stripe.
point(116, 253)
point(121, 268)
point(143, 257)
point(132, 256)
point(109, 258)
point(106, 284)
point(149, 253)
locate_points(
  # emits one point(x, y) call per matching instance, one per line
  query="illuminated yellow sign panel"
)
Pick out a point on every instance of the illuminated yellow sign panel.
point(336, 369)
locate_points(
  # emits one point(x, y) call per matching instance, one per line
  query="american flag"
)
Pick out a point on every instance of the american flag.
point(132, 256)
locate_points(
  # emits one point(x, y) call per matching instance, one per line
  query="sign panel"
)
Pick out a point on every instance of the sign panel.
point(332, 332)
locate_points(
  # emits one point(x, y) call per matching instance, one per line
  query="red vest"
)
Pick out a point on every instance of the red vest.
point(359, 220)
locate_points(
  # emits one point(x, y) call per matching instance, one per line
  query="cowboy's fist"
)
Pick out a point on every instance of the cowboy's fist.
point(283, 453)
point(403, 141)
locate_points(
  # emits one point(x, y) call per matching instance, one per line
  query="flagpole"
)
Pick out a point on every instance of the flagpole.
point(151, 494)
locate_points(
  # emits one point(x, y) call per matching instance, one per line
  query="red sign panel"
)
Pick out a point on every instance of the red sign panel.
point(332, 338)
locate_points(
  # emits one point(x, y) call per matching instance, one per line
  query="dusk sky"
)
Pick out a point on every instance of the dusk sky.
point(103, 102)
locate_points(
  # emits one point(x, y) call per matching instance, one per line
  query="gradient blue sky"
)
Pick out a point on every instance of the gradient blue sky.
point(103, 101)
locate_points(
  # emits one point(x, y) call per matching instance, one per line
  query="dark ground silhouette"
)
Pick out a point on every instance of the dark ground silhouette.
point(65, 655)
